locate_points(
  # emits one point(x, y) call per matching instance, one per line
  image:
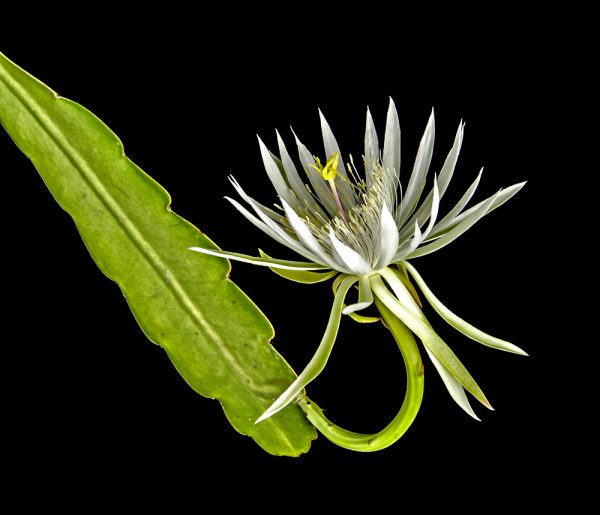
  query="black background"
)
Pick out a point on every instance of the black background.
point(84, 389)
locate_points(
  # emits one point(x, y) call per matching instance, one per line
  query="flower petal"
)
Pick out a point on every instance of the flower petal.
point(424, 211)
point(307, 237)
point(273, 229)
point(299, 188)
point(388, 238)
point(435, 206)
point(419, 173)
point(420, 326)
point(257, 222)
point(274, 174)
point(319, 360)
point(409, 246)
point(464, 225)
point(417, 238)
point(455, 211)
point(350, 258)
point(371, 149)
point(458, 323)
point(496, 201)
point(262, 261)
point(391, 148)
point(456, 391)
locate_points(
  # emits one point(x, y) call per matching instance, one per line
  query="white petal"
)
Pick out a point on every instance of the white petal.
point(409, 246)
point(422, 328)
point(458, 323)
point(455, 389)
point(391, 148)
point(319, 360)
point(351, 259)
point(435, 205)
point(273, 172)
point(307, 237)
point(417, 237)
point(294, 179)
point(274, 233)
point(419, 173)
point(371, 148)
point(497, 200)
point(424, 211)
point(456, 231)
point(271, 263)
point(456, 210)
point(388, 238)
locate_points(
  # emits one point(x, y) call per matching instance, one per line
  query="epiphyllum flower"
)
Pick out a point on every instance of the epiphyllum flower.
point(367, 230)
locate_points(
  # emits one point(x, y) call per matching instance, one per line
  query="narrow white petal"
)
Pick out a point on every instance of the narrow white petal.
point(307, 237)
point(458, 323)
point(435, 206)
point(417, 237)
point(273, 233)
point(455, 389)
point(423, 212)
point(456, 210)
point(388, 238)
point(258, 209)
point(421, 327)
point(319, 360)
point(276, 230)
point(351, 259)
point(419, 173)
point(497, 200)
point(464, 225)
point(371, 149)
point(273, 172)
point(447, 170)
point(391, 148)
point(296, 183)
point(269, 262)
point(408, 247)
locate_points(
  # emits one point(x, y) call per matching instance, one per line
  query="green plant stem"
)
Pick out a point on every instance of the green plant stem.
point(412, 399)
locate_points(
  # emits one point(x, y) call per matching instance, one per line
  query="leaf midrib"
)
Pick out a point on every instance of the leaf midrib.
point(121, 219)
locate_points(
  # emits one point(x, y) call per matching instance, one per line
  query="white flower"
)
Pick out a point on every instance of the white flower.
point(342, 223)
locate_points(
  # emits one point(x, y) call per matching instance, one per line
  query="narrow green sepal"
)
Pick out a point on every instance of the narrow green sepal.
point(300, 276)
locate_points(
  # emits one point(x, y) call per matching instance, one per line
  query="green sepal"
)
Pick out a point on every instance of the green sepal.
point(300, 276)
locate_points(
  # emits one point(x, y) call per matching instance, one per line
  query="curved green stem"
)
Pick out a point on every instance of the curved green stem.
point(410, 407)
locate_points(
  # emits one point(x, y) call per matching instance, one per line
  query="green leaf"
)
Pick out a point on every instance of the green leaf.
point(215, 336)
